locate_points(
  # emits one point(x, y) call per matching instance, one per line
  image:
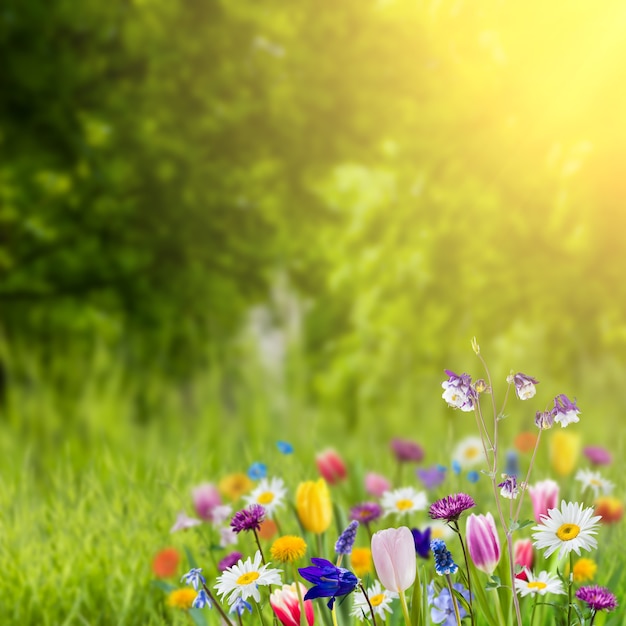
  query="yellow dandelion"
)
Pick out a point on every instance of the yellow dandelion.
point(234, 486)
point(181, 598)
point(288, 549)
point(361, 561)
point(584, 570)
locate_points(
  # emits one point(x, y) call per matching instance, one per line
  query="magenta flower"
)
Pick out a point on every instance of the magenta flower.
point(206, 497)
point(183, 522)
point(331, 466)
point(376, 484)
point(229, 560)
point(407, 451)
point(451, 507)
point(393, 553)
point(523, 554)
point(598, 455)
point(366, 512)
point(597, 598)
point(483, 542)
point(544, 496)
point(248, 519)
point(431, 477)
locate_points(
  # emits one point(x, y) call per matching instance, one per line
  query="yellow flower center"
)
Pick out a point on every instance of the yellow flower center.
point(596, 482)
point(265, 498)
point(537, 584)
point(567, 532)
point(472, 452)
point(403, 505)
point(377, 599)
point(247, 578)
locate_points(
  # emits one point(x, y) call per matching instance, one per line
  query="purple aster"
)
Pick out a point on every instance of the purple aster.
point(451, 507)
point(524, 385)
point(458, 391)
point(422, 542)
point(248, 519)
point(598, 455)
point(565, 411)
point(544, 419)
point(597, 598)
point(229, 560)
point(431, 477)
point(366, 512)
point(407, 451)
point(346, 539)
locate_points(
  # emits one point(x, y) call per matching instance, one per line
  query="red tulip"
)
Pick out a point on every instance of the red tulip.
point(331, 466)
point(286, 605)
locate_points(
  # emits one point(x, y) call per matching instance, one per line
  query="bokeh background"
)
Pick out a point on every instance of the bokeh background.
point(289, 217)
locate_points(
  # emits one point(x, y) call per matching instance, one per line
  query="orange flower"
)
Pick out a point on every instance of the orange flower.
point(165, 563)
point(610, 508)
point(268, 529)
point(525, 442)
point(361, 561)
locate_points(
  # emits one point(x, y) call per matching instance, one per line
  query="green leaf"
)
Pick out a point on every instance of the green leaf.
point(417, 616)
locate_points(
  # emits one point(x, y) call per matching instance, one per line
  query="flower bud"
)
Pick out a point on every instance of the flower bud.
point(313, 505)
point(483, 542)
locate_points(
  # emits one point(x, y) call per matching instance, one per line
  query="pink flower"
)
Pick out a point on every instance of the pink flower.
point(376, 484)
point(523, 553)
point(544, 496)
point(483, 542)
point(331, 466)
point(286, 605)
point(205, 498)
point(183, 522)
point(393, 553)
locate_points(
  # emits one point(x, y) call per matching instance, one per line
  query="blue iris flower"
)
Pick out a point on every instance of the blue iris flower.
point(329, 581)
point(422, 542)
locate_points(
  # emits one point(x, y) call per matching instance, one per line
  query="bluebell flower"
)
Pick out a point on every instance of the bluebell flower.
point(284, 447)
point(422, 542)
point(444, 564)
point(202, 600)
point(346, 539)
point(473, 476)
point(240, 605)
point(194, 578)
point(329, 581)
point(257, 471)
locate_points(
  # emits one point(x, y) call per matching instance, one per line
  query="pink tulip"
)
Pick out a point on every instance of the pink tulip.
point(376, 485)
point(523, 553)
point(483, 542)
point(286, 605)
point(544, 496)
point(393, 553)
point(205, 498)
point(331, 466)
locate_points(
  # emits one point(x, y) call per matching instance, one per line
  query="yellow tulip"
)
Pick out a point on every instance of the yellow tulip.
point(313, 505)
point(564, 452)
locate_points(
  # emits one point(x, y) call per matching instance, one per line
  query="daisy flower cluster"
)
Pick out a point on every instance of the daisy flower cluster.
point(468, 539)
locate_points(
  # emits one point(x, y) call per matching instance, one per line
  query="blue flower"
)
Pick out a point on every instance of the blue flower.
point(202, 600)
point(240, 605)
point(257, 471)
point(346, 539)
point(194, 578)
point(329, 581)
point(444, 564)
point(473, 476)
point(512, 463)
point(456, 467)
point(284, 447)
point(422, 542)
point(442, 611)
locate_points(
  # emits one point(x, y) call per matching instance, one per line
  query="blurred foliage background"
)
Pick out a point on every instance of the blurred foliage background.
point(328, 197)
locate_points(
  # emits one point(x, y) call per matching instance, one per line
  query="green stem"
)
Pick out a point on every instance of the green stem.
point(299, 592)
point(405, 609)
point(258, 543)
point(532, 615)
point(467, 569)
point(454, 602)
point(569, 588)
point(218, 606)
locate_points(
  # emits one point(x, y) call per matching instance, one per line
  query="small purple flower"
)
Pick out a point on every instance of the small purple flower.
point(229, 560)
point(458, 391)
point(509, 487)
point(328, 580)
point(451, 507)
point(597, 598)
point(544, 419)
point(346, 540)
point(442, 611)
point(407, 451)
point(248, 519)
point(431, 477)
point(184, 522)
point(565, 411)
point(422, 542)
point(598, 455)
point(444, 564)
point(366, 512)
point(524, 385)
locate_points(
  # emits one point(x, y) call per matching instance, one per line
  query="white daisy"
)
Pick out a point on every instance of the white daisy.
point(567, 529)
point(380, 599)
point(242, 580)
point(403, 501)
point(541, 584)
point(269, 493)
point(440, 530)
point(594, 481)
point(468, 452)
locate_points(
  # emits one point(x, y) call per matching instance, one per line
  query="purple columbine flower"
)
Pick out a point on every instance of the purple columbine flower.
point(444, 564)
point(524, 385)
point(328, 580)
point(565, 411)
point(422, 542)
point(346, 540)
point(229, 560)
point(248, 519)
point(407, 451)
point(431, 477)
point(544, 419)
point(597, 598)
point(458, 391)
point(451, 507)
point(509, 487)
point(598, 455)
point(366, 512)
